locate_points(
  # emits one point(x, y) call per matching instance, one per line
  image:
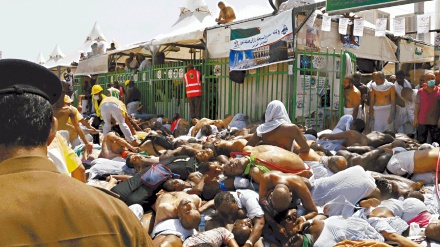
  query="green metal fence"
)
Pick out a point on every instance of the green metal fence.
point(310, 86)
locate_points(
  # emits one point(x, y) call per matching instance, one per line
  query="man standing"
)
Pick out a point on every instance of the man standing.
point(110, 107)
point(112, 92)
point(29, 179)
point(193, 85)
point(226, 15)
point(401, 116)
point(352, 105)
point(132, 98)
point(68, 78)
point(357, 76)
point(382, 103)
point(426, 115)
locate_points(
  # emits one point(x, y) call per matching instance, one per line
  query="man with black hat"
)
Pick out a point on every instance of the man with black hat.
point(38, 209)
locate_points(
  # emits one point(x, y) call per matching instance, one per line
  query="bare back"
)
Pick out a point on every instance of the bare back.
point(283, 136)
point(278, 156)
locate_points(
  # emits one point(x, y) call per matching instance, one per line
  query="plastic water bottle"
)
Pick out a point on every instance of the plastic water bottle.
point(202, 223)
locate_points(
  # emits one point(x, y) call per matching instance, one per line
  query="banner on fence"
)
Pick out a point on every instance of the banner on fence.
point(262, 45)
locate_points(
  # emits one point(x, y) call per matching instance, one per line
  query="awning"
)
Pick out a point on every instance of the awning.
point(93, 65)
point(413, 52)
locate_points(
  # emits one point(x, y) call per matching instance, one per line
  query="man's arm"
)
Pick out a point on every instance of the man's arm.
point(130, 126)
point(254, 140)
point(357, 103)
point(89, 146)
point(301, 140)
point(337, 136)
point(304, 195)
point(372, 102)
point(79, 173)
point(257, 229)
point(393, 105)
point(230, 15)
point(416, 110)
point(403, 241)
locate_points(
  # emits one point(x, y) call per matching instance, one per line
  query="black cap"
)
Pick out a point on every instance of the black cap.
point(21, 76)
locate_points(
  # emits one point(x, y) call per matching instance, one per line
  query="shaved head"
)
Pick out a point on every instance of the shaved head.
point(281, 197)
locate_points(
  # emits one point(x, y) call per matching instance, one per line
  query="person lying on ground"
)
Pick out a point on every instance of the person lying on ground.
point(413, 162)
point(177, 215)
point(231, 206)
point(280, 192)
point(219, 123)
point(317, 233)
point(278, 130)
point(374, 160)
point(351, 137)
point(217, 237)
point(114, 146)
point(255, 161)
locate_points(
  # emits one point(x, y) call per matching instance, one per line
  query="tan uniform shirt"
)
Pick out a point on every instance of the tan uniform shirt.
point(39, 206)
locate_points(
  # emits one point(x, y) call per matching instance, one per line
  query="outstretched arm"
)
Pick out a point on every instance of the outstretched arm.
point(301, 140)
point(254, 140)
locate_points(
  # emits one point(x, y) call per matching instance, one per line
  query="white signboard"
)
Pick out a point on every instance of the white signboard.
point(423, 24)
point(326, 23)
point(399, 26)
point(381, 27)
point(358, 27)
point(343, 23)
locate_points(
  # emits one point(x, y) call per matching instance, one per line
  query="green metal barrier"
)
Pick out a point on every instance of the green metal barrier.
point(310, 86)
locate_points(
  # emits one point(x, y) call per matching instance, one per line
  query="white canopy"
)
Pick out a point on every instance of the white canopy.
point(40, 59)
point(188, 29)
point(408, 52)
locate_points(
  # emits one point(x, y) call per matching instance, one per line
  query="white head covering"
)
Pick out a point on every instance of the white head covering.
point(276, 115)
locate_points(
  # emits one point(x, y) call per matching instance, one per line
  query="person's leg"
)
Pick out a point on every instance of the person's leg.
point(435, 133)
point(198, 106)
point(116, 113)
point(191, 108)
point(106, 113)
point(422, 133)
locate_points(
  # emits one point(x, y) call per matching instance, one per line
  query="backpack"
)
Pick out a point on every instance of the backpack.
point(156, 175)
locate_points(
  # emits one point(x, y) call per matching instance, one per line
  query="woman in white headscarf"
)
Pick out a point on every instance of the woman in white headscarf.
point(279, 131)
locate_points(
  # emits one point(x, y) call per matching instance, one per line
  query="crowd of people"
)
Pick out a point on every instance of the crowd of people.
point(370, 181)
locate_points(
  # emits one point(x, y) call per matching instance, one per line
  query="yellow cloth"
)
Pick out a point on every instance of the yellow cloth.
point(67, 157)
point(361, 243)
point(95, 103)
point(114, 100)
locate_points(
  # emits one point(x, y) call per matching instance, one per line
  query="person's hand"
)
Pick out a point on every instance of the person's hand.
point(266, 206)
point(280, 234)
point(135, 149)
point(323, 137)
point(89, 147)
point(300, 220)
point(217, 20)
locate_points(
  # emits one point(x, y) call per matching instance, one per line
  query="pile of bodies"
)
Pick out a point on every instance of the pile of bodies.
point(273, 184)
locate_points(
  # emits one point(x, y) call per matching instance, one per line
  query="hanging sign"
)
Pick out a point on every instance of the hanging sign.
point(399, 26)
point(358, 27)
point(423, 24)
point(381, 27)
point(343, 23)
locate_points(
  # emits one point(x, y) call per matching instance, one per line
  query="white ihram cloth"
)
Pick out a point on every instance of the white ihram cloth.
point(349, 111)
point(276, 115)
point(381, 115)
point(172, 227)
point(353, 183)
point(412, 208)
point(383, 87)
point(338, 228)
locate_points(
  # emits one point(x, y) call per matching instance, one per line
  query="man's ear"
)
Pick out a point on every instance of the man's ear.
point(53, 131)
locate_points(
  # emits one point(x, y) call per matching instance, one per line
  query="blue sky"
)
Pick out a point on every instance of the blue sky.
point(28, 27)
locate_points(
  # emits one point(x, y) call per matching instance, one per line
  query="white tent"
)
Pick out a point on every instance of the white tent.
point(40, 59)
point(94, 36)
point(187, 32)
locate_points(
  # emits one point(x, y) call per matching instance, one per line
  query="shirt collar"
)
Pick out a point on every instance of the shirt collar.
point(27, 163)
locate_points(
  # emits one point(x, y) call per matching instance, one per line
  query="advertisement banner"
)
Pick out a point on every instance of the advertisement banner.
point(261, 45)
